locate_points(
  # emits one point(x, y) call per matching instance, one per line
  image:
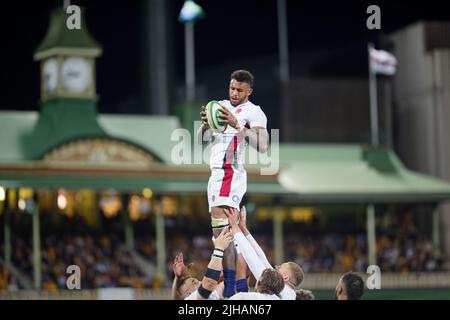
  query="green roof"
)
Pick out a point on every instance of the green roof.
point(149, 132)
point(345, 173)
point(15, 126)
point(61, 121)
point(311, 173)
point(21, 131)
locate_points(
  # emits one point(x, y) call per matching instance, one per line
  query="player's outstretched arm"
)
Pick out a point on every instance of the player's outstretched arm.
point(210, 280)
point(243, 226)
point(254, 263)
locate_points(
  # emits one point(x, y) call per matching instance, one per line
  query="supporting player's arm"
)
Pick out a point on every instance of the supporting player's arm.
point(254, 263)
point(211, 279)
point(243, 226)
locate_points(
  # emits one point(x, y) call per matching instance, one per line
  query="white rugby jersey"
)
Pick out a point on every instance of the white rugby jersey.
point(288, 293)
point(253, 296)
point(257, 262)
point(227, 144)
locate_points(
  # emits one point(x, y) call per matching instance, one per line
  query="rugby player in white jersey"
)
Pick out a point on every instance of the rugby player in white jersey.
point(189, 288)
point(268, 287)
point(291, 272)
point(228, 182)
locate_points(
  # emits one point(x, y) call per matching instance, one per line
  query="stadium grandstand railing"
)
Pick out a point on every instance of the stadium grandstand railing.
point(315, 282)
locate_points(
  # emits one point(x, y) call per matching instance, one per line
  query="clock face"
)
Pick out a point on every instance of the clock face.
point(50, 70)
point(76, 74)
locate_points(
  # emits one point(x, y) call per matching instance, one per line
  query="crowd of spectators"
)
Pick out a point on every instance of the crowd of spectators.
point(104, 260)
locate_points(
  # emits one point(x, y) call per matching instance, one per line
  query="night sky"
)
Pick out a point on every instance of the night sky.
point(231, 32)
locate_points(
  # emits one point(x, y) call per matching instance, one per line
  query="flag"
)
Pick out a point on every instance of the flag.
point(382, 62)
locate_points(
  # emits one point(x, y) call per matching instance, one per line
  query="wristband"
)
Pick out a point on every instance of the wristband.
point(212, 274)
point(218, 253)
point(203, 292)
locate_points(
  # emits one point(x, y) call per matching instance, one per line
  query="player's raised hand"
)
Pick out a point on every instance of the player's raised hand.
point(232, 215)
point(243, 221)
point(203, 117)
point(227, 117)
point(179, 268)
point(224, 239)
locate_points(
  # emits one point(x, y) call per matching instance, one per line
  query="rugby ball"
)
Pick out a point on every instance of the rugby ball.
point(212, 115)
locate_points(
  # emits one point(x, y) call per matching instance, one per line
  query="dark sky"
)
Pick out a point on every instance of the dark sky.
point(232, 31)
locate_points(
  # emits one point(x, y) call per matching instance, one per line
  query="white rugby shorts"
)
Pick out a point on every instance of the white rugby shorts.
point(226, 187)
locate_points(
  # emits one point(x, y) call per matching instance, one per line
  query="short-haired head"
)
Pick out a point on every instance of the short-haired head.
point(302, 294)
point(240, 88)
point(270, 282)
point(350, 287)
point(185, 286)
point(243, 76)
point(292, 273)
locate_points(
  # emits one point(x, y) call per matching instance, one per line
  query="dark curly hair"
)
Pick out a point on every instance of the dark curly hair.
point(243, 76)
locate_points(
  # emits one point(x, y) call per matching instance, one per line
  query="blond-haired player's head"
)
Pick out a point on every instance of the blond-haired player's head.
point(292, 273)
point(185, 286)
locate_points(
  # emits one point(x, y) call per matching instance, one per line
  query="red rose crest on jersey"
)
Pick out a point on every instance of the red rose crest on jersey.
point(238, 110)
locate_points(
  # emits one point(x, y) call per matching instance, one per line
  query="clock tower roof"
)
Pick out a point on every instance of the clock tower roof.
point(62, 40)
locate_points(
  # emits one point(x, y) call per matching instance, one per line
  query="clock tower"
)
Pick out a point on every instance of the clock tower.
point(68, 100)
point(67, 59)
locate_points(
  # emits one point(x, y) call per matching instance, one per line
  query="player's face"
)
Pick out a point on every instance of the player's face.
point(284, 269)
point(239, 92)
point(189, 286)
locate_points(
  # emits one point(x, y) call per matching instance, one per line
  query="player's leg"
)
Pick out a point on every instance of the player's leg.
point(241, 266)
point(226, 193)
point(241, 273)
point(219, 221)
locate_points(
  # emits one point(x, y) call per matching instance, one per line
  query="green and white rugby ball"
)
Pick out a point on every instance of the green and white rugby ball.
point(212, 114)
